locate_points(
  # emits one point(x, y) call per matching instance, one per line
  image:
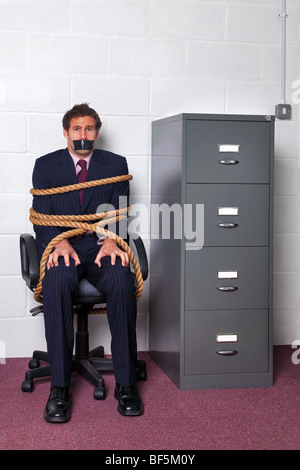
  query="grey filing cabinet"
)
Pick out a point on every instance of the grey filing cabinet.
point(211, 302)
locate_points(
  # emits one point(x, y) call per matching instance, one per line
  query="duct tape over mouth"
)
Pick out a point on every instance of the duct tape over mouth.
point(83, 144)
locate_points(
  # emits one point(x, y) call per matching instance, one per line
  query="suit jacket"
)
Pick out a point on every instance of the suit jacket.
point(57, 169)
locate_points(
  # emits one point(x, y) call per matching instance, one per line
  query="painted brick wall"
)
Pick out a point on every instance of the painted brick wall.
point(136, 61)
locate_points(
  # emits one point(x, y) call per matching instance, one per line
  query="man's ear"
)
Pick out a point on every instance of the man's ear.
point(66, 133)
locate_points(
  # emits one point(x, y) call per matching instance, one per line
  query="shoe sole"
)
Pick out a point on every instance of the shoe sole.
point(130, 413)
point(56, 420)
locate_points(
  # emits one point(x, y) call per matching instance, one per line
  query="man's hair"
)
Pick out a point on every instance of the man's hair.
point(80, 110)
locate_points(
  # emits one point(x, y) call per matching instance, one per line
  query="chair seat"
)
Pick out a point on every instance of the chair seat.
point(89, 294)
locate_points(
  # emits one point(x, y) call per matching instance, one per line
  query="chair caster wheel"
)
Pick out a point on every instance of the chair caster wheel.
point(99, 394)
point(27, 386)
point(97, 352)
point(141, 374)
point(34, 364)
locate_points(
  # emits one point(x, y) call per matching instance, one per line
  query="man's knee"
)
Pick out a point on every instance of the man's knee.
point(61, 275)
point(117, 275)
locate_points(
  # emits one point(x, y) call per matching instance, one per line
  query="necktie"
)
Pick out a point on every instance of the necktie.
point(82, 177)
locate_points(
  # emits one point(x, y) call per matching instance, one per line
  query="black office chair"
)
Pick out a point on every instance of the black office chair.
point(85, 362)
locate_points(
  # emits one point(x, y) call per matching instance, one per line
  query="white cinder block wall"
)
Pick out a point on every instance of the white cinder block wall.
point(136, 61)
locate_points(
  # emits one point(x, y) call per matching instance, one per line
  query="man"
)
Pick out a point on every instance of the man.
point(105, 265)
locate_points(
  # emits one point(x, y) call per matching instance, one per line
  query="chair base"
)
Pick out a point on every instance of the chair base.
point(85, 362)
point(88, 367)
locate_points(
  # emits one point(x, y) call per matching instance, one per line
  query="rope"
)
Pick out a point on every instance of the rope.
point(75, 187)
point(78, 222)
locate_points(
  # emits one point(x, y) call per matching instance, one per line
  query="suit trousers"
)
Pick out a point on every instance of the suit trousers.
point(60, 286)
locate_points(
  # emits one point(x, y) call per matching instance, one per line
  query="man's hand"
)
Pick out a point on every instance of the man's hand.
point(110, 248)
point(65, 250)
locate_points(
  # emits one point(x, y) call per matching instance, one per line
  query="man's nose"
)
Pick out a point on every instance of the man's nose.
point(82, 134)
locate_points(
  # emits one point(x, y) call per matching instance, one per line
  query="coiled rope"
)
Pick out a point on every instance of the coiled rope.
point(79, 222)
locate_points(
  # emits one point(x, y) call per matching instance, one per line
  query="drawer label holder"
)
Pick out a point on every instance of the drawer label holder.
point(227, 338)
point(229, 148)
point(228, 274)
point(228, 211)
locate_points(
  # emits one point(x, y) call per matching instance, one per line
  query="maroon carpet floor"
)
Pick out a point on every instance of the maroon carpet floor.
point(235, 419)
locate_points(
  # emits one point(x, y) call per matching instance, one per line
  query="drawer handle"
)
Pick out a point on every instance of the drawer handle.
point(230, 352)
point(227, 288)
point(228, 162)
point(227, 225)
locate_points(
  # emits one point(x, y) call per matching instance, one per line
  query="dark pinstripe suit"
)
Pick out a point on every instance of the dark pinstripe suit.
point(60, 283)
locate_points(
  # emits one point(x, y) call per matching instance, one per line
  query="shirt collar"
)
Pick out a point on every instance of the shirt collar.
point(76, 159)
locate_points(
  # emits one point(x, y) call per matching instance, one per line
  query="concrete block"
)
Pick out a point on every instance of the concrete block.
point(187, 20)
point(170, 97)
point(113, 96)
point(146, 57)
point(286, 252)
point(35, 15)
point(8, 122)
point(10, 256)
point(13, 213)
point(286, 291)
point(34, 92)
point(247, 23)
point(221, 61)
point(22, 335)
point(13, 50)
point(110, 18)
point(70, 54)
point(251, 98)
point(254, 24)
point(285, 327)
point(48, 128)
point(287, 131)
point(13, 297)
point(287, 175)
point(17, 173)
point(129, 135)
point(139, 168)
point(286, 219)
point(271, 66)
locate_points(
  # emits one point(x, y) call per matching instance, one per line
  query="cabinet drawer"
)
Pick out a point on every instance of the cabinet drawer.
point(228, 151)
point(220, 342)
point(234, 215)
point(225, 277)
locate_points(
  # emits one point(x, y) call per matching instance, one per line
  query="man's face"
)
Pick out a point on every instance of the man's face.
point(81, 128)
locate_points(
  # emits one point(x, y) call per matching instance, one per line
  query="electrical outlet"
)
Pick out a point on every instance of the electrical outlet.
point(283, 111)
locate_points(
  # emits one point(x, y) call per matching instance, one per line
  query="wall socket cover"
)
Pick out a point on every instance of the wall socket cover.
point(283, 111)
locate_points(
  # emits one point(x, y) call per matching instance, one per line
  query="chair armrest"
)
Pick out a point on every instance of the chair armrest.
point(29, 260)
point(141, 253)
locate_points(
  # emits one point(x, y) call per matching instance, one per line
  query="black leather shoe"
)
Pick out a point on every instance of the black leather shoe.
point(58, 408)
point(130, 403)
